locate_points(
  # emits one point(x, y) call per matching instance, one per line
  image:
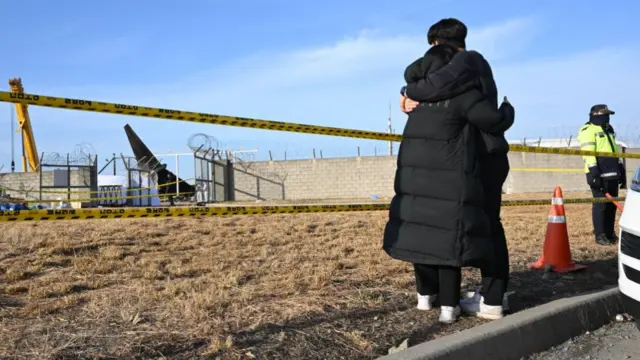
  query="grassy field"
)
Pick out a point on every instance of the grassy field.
point(308, 286)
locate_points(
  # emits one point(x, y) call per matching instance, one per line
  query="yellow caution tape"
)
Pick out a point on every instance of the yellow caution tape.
point(169, 114)
point(153, 212)
point(127, 213)
point(135, 110)
point(564, 151)
point(548, 170)
point(106, 197)
point(92, 192)
point(566, 201)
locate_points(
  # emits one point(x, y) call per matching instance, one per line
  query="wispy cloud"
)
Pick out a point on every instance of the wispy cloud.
point(369, 53)
point(504, 39)
point(366, 56)
point(351, 83)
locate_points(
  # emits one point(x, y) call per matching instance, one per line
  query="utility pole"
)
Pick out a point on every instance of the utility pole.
point(390, 131)
point(13, 135)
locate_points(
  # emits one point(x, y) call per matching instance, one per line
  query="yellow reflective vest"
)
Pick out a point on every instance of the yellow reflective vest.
point(603, 139)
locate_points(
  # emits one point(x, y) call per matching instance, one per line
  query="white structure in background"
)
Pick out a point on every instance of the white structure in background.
point(244, 156)
point(120, 188)
point(177, 162)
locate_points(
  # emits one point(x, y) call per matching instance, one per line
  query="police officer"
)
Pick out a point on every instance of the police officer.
point(604, 174)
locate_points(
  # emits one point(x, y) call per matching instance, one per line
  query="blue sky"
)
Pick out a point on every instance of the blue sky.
point(336, 63)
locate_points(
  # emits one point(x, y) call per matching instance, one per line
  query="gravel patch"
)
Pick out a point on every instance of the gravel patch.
point(618, 340)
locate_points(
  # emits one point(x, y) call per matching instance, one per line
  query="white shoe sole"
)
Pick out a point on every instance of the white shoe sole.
point(484, 315)
point(505, 301)
point(489, 316)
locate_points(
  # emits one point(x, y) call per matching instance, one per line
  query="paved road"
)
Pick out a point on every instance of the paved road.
point(616, 341)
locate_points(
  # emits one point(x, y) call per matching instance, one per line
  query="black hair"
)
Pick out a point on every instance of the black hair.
point(448, 31)
point(431, 34)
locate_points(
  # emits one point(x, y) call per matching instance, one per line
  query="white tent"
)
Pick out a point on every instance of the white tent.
point(112, 186)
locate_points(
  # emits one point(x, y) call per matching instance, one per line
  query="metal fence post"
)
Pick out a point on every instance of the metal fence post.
point(68, 179)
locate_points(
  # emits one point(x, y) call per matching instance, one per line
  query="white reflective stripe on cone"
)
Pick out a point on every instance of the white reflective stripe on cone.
point(557, 201)
point(557, 219)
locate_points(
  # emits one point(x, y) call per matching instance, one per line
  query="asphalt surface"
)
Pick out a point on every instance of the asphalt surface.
point(616, 341)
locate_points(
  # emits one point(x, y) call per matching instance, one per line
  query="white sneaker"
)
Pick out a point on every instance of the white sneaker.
point(449, 314)
point(480, 309)
point(425, 302)
point(471, 296)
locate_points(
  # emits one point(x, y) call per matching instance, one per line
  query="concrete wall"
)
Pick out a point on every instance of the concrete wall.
point(26, 185)
point(539, 181)
point(339, 178)
point(358, 178)
point(531, 181)
point(260, 183)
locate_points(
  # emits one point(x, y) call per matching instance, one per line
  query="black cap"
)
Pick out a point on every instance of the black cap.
point(602, 109)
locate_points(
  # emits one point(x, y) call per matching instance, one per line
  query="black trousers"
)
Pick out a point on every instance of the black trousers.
point(441, 280)
point(495, 271)
point(604, 214)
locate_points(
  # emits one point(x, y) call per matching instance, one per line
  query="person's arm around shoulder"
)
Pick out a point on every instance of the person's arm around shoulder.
point(446, 82)
point(414, 72)
point(481, 113)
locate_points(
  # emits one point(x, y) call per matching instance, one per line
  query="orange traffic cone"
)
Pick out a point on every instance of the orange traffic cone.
point(556, 251)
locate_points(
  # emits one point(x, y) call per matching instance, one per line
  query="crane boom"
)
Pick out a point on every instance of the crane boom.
point(30, 151)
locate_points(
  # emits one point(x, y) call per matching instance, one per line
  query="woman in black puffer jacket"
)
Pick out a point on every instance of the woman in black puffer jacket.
point(437, 220)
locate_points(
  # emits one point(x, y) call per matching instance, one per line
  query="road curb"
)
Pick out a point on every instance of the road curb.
point(523, 333)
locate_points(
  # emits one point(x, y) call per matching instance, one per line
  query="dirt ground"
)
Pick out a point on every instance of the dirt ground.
point(307, 286)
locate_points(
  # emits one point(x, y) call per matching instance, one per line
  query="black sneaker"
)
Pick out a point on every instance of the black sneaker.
point(613, 239)
point(602, 239)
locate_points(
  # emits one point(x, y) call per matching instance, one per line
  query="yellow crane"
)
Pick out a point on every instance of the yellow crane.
point(29, 150)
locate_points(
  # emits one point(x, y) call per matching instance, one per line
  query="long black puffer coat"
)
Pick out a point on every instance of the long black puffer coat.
point(437, 215)
point(469, 69)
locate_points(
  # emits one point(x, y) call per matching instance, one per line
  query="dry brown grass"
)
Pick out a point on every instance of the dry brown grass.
point(308, 286)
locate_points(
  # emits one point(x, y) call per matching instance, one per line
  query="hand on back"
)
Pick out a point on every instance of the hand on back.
point(506, 104)
point(407, 105)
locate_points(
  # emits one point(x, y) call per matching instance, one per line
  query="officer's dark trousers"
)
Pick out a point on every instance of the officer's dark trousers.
point(441, 280)
point(495, 271)
point(604, 214)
